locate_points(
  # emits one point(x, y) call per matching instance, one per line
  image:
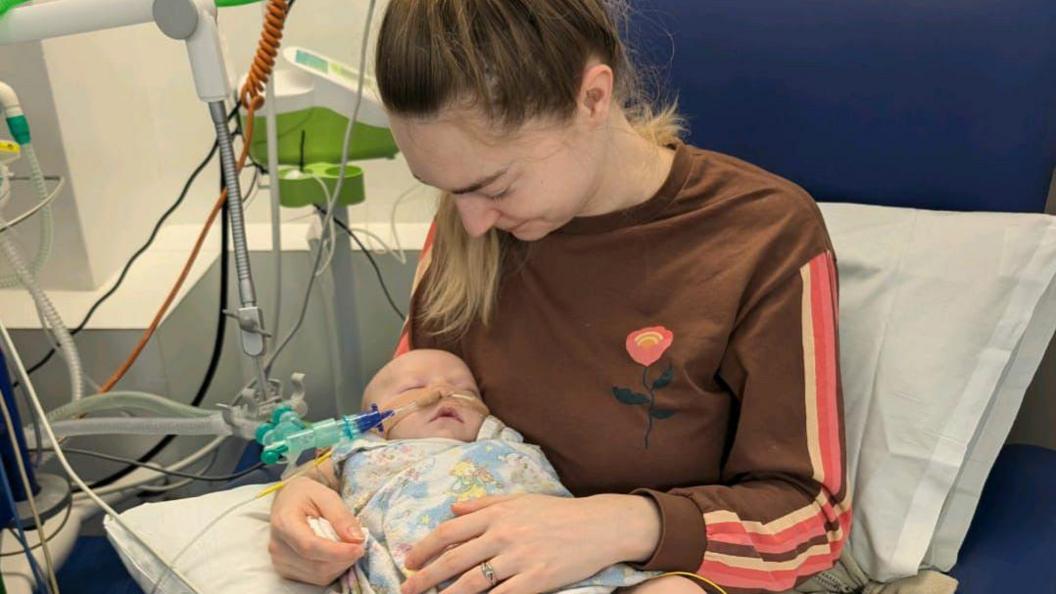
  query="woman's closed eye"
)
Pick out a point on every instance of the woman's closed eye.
point(499, 195)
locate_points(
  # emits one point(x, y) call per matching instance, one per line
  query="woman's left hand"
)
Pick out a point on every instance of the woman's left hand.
point(533, 543)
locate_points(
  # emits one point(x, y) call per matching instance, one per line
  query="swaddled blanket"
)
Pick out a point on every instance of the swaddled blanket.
point(401, 490)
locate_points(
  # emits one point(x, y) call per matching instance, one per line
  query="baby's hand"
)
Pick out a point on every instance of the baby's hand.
point(323, 529)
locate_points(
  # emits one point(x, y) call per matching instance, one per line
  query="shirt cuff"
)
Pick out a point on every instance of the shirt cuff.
point(683, 537)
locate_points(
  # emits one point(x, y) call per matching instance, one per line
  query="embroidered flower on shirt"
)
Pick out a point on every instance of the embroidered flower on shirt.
point(645, 347)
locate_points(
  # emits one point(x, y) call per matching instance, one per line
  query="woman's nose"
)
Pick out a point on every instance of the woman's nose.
point(478, 215)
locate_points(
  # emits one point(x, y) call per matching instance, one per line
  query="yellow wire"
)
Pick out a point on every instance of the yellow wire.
point(319, 460)
point(696, 577)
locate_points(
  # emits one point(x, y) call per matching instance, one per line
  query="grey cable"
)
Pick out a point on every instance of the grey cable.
point(158, 468)
point(337, 188)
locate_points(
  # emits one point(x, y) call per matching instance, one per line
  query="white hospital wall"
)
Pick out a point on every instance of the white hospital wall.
point(127, 124)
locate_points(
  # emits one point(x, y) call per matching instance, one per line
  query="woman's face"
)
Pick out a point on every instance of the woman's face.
point(527, 184)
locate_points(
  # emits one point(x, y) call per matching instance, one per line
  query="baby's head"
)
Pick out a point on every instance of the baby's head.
point(449, 403)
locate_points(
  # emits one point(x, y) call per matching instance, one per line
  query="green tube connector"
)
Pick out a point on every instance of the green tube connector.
point(19, 127)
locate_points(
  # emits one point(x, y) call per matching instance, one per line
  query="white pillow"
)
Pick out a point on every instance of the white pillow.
point(231, 557)
point(944, 318)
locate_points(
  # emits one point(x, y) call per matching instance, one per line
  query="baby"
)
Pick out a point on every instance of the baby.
point(443, 447)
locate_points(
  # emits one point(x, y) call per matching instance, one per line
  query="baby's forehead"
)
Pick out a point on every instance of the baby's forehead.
point(425, 362)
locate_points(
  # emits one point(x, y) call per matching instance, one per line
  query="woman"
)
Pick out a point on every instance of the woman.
point(659, 318)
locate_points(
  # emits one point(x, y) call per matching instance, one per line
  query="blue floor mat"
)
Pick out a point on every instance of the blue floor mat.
point(93, 567)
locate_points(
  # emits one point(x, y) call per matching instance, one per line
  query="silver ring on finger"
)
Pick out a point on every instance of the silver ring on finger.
point(489, 573)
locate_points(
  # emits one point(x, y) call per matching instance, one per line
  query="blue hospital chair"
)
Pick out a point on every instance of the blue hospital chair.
point(935, 104)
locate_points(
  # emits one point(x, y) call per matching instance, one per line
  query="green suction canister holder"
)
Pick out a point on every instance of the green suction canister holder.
point(300, 187)
point(310, 144)
point(316, 134)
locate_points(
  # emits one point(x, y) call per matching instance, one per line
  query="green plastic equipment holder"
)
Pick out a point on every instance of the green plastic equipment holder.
point(314, 137)
point(299, 187)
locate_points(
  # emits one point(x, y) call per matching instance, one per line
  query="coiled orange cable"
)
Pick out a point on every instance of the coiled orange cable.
point(250, 96)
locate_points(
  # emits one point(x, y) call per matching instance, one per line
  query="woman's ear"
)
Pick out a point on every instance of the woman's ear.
point(595, 92)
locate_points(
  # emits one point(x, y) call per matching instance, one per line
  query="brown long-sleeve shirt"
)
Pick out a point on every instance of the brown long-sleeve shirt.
point(686, 350)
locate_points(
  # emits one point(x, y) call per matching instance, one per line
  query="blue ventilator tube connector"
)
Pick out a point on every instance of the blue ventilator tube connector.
point(287, 436)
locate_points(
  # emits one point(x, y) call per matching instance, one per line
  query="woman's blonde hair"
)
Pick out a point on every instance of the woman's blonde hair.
point(512, 61)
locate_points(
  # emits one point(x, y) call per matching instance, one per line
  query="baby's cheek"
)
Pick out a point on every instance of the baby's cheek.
point(475, 421)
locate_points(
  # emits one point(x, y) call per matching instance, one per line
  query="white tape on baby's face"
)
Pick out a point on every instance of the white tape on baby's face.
point(415, 400)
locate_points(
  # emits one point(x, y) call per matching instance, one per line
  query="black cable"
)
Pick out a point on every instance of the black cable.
point(366, 252)
point(48, 538)
point(163, 470)
point(214, 358)
point(128, 265)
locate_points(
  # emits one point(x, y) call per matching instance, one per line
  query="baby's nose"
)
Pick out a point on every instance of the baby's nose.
point(444, 389)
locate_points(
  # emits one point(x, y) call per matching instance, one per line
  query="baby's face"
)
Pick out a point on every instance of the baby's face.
point(419, 376)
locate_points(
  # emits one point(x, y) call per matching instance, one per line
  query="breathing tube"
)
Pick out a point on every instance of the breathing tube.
point(19, 127)
point(126, 401)
point(214, 424)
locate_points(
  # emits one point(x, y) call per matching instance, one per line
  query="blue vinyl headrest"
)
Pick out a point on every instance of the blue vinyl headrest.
point(934, 104)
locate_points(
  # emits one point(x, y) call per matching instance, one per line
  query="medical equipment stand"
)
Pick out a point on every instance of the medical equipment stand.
point(194, 22)
point(349, 374)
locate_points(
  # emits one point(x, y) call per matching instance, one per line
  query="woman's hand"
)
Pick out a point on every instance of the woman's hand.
point(534, 543)
point(296, 552)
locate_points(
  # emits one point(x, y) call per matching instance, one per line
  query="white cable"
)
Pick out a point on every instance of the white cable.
point(332, 230)
point(392, 221)
point(28, 488)
point(346, 143)
point(171, 569)
point(44, 203)
point(9, 346)
point(385, 249)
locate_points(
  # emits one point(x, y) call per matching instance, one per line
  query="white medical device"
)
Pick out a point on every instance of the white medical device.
point(194, 22)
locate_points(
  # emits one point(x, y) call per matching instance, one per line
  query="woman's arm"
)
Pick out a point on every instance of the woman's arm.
point(296, 552)
point(782, 512)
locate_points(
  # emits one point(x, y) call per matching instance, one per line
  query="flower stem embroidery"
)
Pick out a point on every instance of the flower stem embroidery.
point(645, 347)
